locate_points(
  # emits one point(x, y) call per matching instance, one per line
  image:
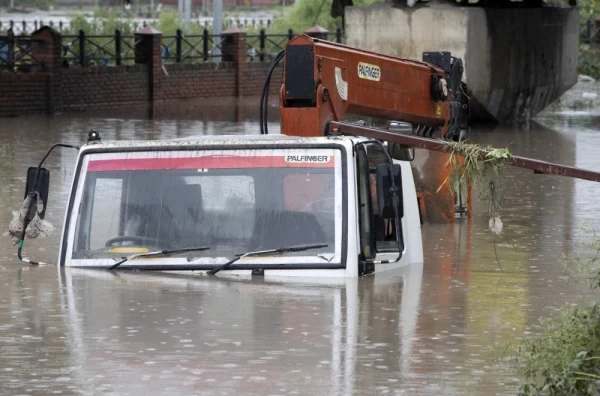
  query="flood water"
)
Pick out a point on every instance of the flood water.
point(436, 328)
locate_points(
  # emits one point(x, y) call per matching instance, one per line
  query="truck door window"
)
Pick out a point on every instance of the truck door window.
point(380, 231)
point(365, 204)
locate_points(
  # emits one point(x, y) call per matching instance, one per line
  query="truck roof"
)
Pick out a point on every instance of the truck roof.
point(206, 140)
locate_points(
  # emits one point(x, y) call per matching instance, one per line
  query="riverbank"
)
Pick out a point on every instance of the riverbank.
point(582, 97)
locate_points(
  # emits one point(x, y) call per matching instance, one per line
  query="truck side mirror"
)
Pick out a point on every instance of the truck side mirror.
point(42, 187)
point(384, 193)
point(398, 151)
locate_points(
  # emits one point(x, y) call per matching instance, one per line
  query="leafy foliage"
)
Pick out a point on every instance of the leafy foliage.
point(307, 13)
point(565, 359)
point(169, 22)
point(589, 55)
point(102, 23)
point(585, 263)
point(589, 61)
point(588, 9)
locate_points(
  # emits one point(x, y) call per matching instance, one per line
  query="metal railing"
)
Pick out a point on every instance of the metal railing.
point(104, 50)
point(589, 32)
point(16, 53)
point(269, 45)
point(118, 49)
point(261, 47)
point(191, 48)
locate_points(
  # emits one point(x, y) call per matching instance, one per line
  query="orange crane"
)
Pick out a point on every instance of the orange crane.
point(324, 83)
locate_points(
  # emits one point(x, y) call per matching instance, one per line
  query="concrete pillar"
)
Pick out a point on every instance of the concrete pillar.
point(517, 60)
point(45, 49)
point(234, 50)
point(318, 32)
point(148, 52)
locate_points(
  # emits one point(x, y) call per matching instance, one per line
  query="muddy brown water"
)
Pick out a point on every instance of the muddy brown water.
point(436, 328)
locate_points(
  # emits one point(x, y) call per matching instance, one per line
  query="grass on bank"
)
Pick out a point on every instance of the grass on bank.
point(565, 358)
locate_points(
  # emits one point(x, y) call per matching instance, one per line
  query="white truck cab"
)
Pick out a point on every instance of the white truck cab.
point(269, 205)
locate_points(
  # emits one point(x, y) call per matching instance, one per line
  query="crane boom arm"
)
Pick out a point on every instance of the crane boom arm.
point(325, 81)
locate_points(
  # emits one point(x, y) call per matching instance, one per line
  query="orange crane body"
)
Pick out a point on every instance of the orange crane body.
point(325, 81)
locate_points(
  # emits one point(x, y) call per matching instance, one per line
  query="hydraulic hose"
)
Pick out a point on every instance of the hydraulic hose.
point(264, 99)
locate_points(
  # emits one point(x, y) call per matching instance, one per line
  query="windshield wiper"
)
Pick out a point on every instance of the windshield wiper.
point(158, 253)
point(262, 252)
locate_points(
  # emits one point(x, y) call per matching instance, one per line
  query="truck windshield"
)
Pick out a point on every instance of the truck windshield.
point(233, 201)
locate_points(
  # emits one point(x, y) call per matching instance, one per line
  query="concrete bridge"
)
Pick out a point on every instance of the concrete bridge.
point(519, 56)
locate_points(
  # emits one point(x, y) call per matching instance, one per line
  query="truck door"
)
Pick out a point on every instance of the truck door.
point(377, 235)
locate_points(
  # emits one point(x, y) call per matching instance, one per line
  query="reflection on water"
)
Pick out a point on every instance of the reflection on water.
point(439, 327)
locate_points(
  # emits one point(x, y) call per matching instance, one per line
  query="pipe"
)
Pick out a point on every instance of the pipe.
point(439, 145)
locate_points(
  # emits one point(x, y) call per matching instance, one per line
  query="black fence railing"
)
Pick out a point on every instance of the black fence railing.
point(590, 32)
point(191, 48)
point(118, 49)
point(261, 47)
point(16, 53)
point(105, 50)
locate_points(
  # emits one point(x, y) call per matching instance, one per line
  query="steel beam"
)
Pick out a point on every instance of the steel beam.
point(440, 145)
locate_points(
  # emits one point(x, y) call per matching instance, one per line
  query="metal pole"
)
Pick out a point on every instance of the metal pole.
point(118, 57)
point(178, 46)
point(188, 14)
point(217, 27)
point(205, 41)
point(263, 41)
point(12, 4)
point(536, 166)
point(180, 8)
point(81, 47)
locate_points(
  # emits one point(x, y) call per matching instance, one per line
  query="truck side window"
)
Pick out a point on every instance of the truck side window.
point(365, 205)
point(378, 231)
point(384, 229)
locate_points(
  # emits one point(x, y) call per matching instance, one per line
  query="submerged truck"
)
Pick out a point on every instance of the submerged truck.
point(324, 198)
point(317, 200)
point(306, 207)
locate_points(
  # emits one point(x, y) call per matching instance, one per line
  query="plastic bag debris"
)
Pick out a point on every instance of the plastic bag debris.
point(495, 225)
point(37, 228)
